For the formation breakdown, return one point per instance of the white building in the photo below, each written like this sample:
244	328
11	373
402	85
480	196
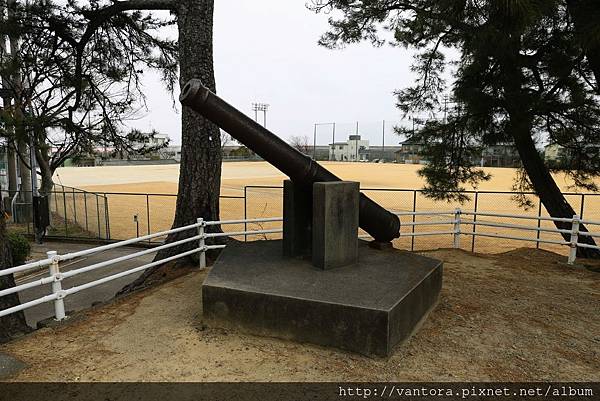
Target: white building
151	140
171	152
349	151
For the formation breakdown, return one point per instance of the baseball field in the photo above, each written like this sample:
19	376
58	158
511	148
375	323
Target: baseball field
124	187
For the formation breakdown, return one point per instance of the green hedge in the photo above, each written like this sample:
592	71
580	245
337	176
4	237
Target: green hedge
19	247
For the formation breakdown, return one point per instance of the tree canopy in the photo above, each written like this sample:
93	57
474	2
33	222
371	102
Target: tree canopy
75	77
527	55
526	69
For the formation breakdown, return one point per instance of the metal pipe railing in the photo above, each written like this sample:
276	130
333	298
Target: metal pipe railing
127	257
28	266
91	251
58	294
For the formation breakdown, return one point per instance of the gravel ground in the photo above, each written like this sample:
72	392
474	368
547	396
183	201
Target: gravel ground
519	316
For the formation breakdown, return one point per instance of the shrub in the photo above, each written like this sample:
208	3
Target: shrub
19	247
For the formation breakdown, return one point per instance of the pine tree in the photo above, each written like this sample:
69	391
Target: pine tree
526	68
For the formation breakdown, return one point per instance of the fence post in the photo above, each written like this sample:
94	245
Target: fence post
148	213
98	215
539	224
474	222
106	217
414	218
574	238
245	213
65	208
85	209
74	207
457	228
202	243
59	304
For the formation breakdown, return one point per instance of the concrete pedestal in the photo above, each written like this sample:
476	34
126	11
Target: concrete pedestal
321	222
335	224
368	307
297	220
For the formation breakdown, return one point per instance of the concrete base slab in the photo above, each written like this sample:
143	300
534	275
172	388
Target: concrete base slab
368	307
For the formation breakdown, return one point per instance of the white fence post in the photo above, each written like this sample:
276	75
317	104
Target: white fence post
457	213
574	239
202	243
59	303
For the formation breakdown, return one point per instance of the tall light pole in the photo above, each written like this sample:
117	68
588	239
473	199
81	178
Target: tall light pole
383	141
260	107
315	137
356	143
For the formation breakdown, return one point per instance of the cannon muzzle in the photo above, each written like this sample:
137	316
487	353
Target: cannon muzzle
374	219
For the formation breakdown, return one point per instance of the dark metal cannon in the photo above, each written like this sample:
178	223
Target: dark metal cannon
382	225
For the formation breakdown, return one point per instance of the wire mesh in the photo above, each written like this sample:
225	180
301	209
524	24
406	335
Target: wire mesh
80	214
263	202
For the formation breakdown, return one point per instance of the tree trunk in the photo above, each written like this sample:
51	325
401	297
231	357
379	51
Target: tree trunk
200	167
13	324
11	167
543	183
7	102
25	174
21	138
46	171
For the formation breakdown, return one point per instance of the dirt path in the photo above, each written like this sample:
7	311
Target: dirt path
519	316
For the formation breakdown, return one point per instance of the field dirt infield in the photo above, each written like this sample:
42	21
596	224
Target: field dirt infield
155	212
520	316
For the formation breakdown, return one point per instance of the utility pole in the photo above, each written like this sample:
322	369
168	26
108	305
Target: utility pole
333	131
383	141
356	143
315	143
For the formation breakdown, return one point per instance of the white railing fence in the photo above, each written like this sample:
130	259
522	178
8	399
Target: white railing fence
55	276
453	218
458	221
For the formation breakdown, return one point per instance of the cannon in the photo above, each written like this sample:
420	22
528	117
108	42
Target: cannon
355	295
382	225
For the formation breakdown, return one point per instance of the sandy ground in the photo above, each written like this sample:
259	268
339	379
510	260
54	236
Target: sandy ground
237	174
519	316
155	213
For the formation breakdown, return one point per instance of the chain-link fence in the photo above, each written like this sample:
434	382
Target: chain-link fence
115	216
74	213
266	201
109	216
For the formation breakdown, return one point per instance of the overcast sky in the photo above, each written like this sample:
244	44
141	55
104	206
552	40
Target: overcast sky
266	51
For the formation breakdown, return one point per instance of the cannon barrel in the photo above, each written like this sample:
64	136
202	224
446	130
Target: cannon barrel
302	170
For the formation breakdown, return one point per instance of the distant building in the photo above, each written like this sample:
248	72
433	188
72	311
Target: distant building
379	154
171	153
355	149
109	155
554	153
558	156
410	152
500	155
151	140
